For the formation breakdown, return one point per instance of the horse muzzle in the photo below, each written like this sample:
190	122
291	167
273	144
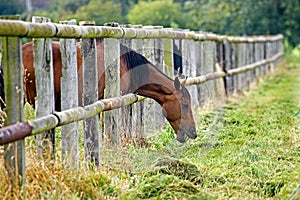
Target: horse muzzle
190	133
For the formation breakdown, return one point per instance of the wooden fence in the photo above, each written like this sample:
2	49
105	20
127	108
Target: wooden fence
226	64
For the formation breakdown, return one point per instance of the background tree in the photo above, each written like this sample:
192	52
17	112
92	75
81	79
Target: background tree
11	7
100	12
164	13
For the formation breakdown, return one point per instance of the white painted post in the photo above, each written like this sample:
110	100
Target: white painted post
90	95
69	99
44	105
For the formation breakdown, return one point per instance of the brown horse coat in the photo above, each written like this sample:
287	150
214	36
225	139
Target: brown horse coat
137	75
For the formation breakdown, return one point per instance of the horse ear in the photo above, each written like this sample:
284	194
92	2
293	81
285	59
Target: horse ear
177	83
183	81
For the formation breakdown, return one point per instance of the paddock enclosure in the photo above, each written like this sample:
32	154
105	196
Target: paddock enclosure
217	67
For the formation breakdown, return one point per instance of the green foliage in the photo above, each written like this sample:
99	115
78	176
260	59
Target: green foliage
100	12
236	17
84	10
11	7
164	13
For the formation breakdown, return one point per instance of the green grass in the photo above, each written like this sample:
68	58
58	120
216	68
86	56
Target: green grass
248	149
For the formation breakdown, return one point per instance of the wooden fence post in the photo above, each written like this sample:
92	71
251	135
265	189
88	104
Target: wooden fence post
240	77
168	67
227	66
219	66
244	75
257	58
189	67
14	153
252	60
69	99
152	112
199	53
44	105
246	62
138	108
208	59
158	60
112	88
126	112
90	95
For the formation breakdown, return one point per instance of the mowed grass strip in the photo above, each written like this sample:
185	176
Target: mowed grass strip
255	152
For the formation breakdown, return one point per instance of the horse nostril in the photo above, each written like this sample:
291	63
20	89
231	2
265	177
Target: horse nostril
193	133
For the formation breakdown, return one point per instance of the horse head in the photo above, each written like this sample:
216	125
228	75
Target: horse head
178	111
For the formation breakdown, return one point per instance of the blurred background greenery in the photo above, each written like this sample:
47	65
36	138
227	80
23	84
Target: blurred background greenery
231	17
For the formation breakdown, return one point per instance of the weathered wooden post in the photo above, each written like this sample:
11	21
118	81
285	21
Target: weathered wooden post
209	61
138	108
219	67
168	67
265	56
90	95
112	88
261	57
152	115
240	63
244	75
256	59
269	55
69	99
227	66
199	51
14	153
126	112
44	105
189	67
246	62
251	61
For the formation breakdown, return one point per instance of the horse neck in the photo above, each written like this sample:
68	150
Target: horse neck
157	86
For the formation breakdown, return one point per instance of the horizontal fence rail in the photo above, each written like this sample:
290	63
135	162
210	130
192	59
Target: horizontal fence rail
226	64
49	30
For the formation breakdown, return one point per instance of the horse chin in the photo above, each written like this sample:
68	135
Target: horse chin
189	133
180	137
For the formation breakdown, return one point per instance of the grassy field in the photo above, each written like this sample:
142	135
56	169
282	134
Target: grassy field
248	149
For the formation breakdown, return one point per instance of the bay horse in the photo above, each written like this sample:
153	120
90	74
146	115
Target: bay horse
137	75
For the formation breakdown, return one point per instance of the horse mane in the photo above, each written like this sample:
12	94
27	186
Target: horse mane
137	65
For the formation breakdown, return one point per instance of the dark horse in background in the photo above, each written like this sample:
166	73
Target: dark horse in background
137	75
